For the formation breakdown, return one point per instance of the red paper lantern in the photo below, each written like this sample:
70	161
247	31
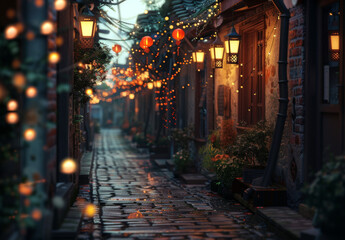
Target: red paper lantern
178	35
145	43
117	48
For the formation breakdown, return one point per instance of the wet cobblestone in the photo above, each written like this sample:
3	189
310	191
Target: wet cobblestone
137	200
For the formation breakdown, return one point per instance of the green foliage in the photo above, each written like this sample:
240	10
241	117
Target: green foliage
208	152
252	145
227	169
181	137
99	57
182	160
327	194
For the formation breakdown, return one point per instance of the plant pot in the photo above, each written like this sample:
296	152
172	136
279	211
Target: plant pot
214	186
225	191
249	174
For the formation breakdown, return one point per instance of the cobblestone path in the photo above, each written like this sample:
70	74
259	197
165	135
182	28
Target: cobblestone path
137	200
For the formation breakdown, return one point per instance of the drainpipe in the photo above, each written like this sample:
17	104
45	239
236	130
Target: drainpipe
283	92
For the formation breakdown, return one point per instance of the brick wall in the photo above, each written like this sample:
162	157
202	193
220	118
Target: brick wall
289	169
296	72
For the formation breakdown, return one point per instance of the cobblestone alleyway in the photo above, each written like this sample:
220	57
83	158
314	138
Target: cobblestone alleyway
140	201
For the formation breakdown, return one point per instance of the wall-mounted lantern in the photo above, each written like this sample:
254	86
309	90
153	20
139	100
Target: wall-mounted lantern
198	58
87	26
334	46
217	53
232	46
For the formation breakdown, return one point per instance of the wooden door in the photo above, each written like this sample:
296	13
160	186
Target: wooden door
251	83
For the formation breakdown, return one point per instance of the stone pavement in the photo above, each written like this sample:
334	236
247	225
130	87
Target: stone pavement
137	200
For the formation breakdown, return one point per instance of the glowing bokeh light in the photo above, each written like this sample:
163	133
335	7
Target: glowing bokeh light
11	32
54	57
31	92
60	5
47	27
12	118
12	105
68	166
29	134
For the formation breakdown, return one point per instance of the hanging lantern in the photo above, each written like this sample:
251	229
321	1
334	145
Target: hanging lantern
217	53
117	48
145	43
232	46
88	27
198	58
178	35
131	96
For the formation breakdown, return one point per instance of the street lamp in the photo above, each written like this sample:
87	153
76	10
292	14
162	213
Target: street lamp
198	58
88	27
232	45
217	53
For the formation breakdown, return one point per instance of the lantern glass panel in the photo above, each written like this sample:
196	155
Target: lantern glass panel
335	42
200	56
86	27
194	56
218	52
234	45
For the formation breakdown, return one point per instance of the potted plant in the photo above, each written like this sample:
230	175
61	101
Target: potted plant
327	194
182	162
252	147
227	169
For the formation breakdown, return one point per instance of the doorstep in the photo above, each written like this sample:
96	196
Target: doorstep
288	223
193	178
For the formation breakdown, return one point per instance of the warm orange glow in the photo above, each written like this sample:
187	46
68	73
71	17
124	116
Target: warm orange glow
12	118
19	80
54	57
90	210
47	27
147	41
131	96
29	134
36	214
25	189
198	56
89	91
68	166
234	46
87	27
117	48
135	215
11	32
12	105
335	43
158	84
178	34
219	51
150	85
60	5
212	53
31	92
